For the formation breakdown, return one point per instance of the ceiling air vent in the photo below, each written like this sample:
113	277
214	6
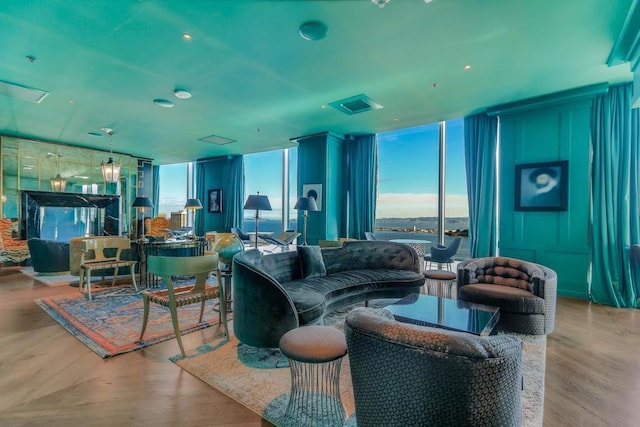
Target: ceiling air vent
355	104
218	140
22	92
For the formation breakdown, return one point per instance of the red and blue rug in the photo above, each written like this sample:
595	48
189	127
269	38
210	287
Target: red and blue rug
110	324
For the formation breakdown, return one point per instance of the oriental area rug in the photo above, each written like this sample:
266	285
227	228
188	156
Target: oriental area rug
110	324
260	379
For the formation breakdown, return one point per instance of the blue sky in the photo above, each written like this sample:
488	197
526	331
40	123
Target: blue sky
407	177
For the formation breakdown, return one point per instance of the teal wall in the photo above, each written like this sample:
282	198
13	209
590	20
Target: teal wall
216	172
320	161
556	129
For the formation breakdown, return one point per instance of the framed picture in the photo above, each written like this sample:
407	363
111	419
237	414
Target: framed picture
315	191
215	201
542	186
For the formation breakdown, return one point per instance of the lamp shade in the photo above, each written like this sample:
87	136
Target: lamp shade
142	202
193	204
306	204
257	202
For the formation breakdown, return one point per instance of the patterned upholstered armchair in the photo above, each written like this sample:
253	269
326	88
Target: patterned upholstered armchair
525	292
11	249
410	375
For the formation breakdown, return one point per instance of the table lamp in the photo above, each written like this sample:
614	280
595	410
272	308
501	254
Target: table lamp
192	205
141	203
305	204
259	203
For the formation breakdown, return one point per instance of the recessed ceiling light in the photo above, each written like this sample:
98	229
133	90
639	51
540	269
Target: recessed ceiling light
467	67
71	101
182	93
186	36
313	30
163	103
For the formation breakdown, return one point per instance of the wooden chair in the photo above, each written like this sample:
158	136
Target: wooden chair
106	253
173	297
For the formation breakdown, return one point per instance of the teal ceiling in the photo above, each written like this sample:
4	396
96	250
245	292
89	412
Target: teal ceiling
256	81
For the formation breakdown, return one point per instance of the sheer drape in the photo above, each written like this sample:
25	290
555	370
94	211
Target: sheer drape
363	158
615	139
480	145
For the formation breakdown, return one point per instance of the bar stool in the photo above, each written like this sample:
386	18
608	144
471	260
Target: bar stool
439	282
315	355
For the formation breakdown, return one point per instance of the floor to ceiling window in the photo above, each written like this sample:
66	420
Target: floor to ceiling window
273	174
408	182
173	188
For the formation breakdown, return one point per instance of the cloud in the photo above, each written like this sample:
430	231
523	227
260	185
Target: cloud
412	205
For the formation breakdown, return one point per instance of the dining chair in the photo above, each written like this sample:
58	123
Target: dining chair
104	254
369	235
179	296
443	254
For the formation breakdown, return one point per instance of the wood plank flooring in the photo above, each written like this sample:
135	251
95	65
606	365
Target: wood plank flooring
47	377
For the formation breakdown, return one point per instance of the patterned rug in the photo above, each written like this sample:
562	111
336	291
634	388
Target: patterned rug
260	380
110	323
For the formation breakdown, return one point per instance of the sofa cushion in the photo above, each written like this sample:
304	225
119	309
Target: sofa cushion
311	295
506	272
311	261
508	299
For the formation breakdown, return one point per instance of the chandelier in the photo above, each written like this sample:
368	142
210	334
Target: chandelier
110	169
58	183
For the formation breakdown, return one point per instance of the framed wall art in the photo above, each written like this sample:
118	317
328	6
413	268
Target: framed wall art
215	200
542	186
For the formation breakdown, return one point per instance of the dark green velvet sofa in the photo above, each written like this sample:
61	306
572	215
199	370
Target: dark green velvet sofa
277	292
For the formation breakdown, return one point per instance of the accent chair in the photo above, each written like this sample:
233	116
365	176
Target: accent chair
525	292
410	375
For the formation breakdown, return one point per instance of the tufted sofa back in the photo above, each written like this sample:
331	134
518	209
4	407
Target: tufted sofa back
366	254
504	271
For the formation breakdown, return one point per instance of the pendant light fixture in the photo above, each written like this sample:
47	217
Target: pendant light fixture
58	183
110	169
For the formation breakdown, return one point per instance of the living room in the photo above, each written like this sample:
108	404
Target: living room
545	115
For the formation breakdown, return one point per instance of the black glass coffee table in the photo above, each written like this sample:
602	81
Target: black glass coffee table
446	313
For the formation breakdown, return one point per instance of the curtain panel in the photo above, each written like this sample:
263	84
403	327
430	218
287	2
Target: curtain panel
480	146
362	190
155	172
615	137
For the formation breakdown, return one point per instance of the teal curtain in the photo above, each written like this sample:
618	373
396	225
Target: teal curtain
233	196
363	158
201	194
615	139
480	145
155	171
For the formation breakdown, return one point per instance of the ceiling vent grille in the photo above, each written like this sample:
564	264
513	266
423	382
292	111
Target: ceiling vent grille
22	92
355	104
218	140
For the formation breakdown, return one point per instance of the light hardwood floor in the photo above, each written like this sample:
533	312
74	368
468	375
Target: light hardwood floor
47	377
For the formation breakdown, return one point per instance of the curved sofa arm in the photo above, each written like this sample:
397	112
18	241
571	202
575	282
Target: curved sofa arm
548	289
262	310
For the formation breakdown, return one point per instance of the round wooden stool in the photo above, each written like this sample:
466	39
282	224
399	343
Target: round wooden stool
315	356
439	282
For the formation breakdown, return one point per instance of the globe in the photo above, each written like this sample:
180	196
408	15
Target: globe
227	246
